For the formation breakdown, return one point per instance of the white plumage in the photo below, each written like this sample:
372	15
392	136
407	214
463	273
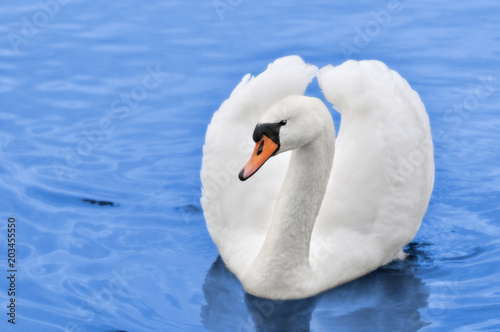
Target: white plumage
372	199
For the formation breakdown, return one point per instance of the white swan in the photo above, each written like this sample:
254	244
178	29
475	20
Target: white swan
292	233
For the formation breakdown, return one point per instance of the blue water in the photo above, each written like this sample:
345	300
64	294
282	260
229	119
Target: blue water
103	110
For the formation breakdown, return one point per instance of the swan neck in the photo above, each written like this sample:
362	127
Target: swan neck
286	247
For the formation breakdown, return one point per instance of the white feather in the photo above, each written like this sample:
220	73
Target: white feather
376	195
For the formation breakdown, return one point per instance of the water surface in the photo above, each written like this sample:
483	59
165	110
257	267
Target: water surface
103	110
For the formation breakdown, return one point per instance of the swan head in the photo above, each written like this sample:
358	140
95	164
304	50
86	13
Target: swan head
289	124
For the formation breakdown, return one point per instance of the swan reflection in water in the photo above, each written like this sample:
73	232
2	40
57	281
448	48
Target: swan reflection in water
388	299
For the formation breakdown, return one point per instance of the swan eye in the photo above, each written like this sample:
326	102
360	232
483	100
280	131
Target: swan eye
283	122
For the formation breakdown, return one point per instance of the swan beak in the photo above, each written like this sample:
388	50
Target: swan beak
264	149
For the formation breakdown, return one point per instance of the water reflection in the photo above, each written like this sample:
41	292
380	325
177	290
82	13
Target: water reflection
290	315
388	299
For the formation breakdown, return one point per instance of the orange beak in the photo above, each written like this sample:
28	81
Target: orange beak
264	149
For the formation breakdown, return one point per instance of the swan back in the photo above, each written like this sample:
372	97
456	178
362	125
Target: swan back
382	175
238	214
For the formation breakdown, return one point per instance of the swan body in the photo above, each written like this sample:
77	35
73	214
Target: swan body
322	210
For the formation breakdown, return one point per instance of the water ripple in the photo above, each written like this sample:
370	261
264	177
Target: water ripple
111	232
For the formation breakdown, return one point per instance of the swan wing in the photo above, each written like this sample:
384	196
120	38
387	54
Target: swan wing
238	214
382	174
